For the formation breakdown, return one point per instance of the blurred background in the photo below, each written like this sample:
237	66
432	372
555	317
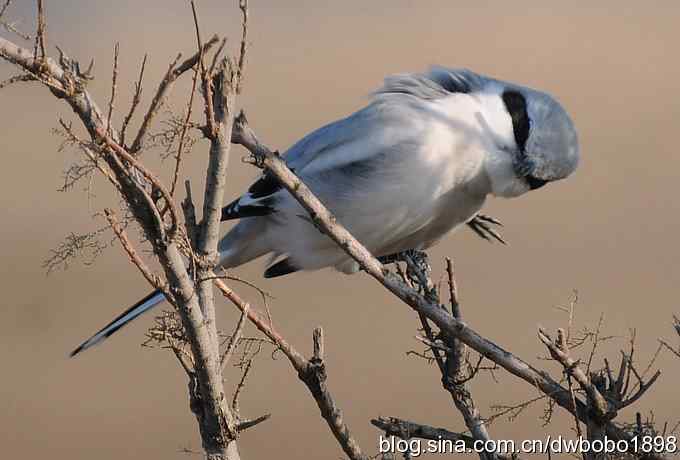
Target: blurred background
608	232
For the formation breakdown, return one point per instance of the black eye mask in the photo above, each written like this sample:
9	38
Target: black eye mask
517	108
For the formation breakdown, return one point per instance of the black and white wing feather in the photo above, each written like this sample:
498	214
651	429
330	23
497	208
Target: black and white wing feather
318	151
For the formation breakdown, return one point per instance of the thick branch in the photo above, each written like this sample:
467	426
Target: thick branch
404	429
64	79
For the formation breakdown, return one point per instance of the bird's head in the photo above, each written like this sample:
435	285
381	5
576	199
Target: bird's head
537	141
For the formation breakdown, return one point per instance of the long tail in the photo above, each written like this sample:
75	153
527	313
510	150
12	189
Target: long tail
240	245
144	305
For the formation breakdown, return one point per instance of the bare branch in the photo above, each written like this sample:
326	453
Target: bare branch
148	175
185	127
9	26
16	79
168	332
234	339
455	375
91	152
559	351
114	83
142	191
403	429
514	410
641	390
136	99
241	385
243	6
189	211
4	8
40	34
153	280
173	73
75	246
218	101
311	372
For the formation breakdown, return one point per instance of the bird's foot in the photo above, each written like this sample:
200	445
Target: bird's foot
482	225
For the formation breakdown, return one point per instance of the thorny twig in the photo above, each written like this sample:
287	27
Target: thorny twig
40	34
173	73
17	79
185	127
136	260
114	86
136	99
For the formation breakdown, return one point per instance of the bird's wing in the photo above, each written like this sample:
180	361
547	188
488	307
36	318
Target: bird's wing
391	118
342	145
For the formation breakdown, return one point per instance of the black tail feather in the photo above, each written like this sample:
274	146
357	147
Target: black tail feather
103	333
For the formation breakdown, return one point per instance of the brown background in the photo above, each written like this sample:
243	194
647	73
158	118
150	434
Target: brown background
610	231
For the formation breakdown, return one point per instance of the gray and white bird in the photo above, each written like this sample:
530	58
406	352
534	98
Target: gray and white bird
399	174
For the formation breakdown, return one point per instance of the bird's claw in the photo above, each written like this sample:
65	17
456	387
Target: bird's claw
482	224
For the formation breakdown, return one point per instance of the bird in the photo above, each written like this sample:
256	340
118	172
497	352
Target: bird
419	160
